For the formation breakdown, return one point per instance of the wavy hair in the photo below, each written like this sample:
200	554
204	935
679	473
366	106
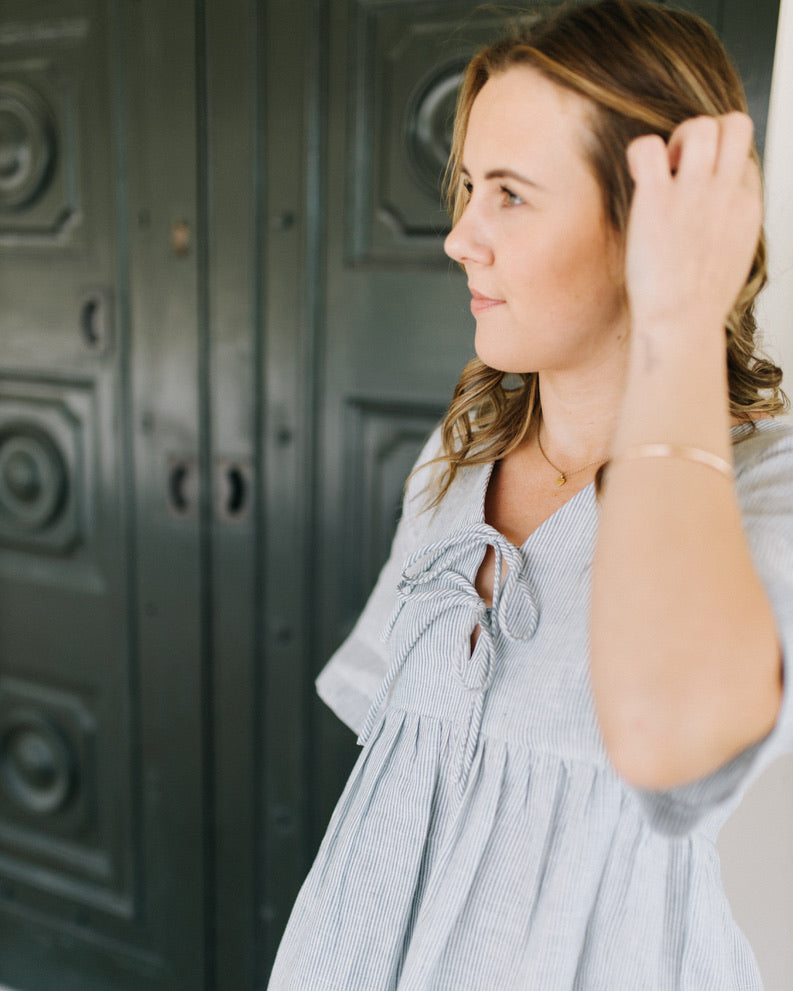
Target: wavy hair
645	69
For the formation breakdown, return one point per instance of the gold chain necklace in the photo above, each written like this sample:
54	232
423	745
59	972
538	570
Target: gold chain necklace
562	476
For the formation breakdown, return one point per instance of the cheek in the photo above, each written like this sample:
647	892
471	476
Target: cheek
595	263
539	268
566	257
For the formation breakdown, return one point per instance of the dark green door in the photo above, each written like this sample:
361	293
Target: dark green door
226	324
102	650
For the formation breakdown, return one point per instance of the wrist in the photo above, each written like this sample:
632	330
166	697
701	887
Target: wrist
678	360
671	338
676	390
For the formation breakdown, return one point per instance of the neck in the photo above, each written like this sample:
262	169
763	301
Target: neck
578	419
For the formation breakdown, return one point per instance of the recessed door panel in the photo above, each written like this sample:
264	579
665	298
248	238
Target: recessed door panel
83	816
69	849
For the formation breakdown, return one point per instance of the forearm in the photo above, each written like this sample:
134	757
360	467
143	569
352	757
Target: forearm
685	661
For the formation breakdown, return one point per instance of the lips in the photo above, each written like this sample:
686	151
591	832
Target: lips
481	303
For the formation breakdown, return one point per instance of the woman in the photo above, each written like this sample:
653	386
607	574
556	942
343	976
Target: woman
574	688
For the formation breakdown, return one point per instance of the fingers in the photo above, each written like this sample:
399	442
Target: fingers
694	147
698	147
736	133
648	160
694	220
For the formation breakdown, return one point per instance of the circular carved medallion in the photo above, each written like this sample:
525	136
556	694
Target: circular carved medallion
37	767
430	123
27	145
33	478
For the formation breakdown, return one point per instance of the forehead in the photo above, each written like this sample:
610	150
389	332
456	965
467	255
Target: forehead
521	113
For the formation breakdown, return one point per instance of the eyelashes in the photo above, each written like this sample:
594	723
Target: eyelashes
508	196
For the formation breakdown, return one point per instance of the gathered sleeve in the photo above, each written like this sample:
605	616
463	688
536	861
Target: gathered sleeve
349	681
764	485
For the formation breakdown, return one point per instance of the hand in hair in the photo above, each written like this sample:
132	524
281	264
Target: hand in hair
685	658
694	222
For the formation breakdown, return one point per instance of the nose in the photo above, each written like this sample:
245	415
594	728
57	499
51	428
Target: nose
467	240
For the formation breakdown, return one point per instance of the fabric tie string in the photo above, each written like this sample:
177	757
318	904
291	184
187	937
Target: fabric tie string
431	576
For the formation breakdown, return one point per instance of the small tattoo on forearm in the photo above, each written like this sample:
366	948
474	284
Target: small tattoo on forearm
648	353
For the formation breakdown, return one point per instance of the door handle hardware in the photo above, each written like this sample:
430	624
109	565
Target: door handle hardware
233	481
96	321
182	487
236	484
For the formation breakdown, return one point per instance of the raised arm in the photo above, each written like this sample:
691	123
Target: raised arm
686	666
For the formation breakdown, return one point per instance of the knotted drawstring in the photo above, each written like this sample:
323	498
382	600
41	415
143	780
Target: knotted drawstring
429	576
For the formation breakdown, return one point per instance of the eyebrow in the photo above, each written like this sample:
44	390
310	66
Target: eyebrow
505	174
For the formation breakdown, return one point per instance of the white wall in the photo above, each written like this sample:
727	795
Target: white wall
757	843
775	306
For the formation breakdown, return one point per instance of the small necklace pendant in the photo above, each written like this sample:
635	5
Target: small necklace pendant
561	479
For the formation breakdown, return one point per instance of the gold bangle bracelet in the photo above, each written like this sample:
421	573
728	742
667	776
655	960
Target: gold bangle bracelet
681	452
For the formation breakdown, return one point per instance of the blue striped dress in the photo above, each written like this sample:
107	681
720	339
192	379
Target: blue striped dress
483	840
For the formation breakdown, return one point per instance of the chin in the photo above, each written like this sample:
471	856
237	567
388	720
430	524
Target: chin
509	363
506	351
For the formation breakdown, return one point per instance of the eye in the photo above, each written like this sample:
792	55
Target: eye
468	187
510	198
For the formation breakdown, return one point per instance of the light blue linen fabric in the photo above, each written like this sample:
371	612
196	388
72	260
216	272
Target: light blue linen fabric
483	840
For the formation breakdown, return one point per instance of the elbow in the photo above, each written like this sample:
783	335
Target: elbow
661	734
650	768
660	748
648	760
654	741
656	745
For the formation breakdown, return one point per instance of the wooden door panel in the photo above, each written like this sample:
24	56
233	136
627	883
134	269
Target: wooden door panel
69	848
96	773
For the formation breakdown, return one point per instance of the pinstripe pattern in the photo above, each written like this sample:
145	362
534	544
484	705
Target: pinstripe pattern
483	840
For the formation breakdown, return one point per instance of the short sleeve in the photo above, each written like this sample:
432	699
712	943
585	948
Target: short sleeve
764	485
349	681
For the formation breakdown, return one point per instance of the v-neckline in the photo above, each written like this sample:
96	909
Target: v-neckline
737	431
549	523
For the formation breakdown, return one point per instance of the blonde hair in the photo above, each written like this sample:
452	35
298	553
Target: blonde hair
645	69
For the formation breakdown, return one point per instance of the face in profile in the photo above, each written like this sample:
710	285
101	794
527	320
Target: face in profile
544	266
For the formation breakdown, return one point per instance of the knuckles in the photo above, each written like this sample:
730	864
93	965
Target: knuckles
704	142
